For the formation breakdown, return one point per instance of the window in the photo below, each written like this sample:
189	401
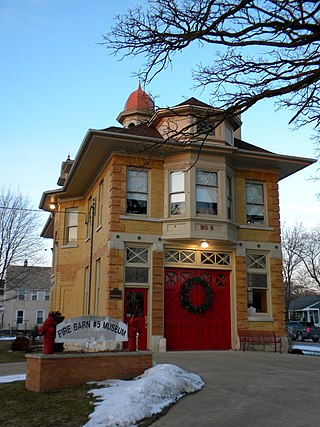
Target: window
46	295
257	282
71	225
100	205
137	191
19	317
1	287
229	198
39	317
34	295
97	302
137	265
90	218
21	295
255	203
206	126
177	194
86	299
206	192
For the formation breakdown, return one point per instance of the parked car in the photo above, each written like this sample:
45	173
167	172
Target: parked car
300	331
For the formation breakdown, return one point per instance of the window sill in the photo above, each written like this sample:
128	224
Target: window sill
140	218
69	245
256	227
260	318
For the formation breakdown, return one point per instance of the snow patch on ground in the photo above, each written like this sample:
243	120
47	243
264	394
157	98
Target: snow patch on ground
124	403
11	378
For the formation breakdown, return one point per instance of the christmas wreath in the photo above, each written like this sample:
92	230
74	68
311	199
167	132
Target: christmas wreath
185	290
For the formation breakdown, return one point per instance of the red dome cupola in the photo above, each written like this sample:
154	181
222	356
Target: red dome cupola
138	108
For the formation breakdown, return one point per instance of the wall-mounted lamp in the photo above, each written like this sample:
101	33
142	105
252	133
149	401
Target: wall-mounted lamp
204	244
52	206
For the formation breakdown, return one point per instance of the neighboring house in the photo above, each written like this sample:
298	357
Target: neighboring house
306	308
25	299
188	241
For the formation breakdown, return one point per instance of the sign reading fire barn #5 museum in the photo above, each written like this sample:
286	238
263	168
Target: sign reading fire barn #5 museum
91	327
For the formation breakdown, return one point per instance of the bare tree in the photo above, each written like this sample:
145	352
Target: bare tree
310	255
292	247
261	49
19	232
300	261
302	284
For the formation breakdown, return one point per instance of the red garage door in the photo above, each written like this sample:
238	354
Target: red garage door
186	330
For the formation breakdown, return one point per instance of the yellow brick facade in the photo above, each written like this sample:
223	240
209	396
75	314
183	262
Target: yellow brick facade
90	274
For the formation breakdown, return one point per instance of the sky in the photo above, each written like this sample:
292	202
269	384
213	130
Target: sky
124	403
57	81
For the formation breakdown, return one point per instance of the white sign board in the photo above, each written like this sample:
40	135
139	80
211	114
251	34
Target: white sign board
96	328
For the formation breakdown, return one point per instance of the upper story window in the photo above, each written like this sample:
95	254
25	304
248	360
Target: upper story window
206	192
255	203
177	193
34	295
137	191
229	198
21	295
100	205
46	295
90	216
206	126
257	282
71	225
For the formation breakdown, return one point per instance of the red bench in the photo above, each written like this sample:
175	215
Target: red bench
250	337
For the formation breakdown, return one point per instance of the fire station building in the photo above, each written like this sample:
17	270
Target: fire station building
171	218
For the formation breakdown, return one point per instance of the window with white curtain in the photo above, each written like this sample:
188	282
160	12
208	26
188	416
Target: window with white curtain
206	192
255	202
71	225
177	193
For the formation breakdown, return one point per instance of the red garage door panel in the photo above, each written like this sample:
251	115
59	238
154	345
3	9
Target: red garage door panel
185	330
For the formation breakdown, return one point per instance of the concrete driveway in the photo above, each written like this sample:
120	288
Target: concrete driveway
245	389
242	389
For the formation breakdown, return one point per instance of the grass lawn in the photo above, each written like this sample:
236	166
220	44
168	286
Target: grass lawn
69	407
7	356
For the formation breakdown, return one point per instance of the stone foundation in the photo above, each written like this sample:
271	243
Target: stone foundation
54	371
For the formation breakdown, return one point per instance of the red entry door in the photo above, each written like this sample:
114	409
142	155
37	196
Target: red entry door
135	304
210	330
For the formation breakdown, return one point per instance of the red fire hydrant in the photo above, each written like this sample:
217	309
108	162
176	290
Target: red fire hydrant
133	330
48	330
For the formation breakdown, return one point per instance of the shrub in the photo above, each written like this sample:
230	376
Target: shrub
20	344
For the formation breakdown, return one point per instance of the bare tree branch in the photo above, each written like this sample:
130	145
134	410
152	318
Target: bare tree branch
263	49
19	231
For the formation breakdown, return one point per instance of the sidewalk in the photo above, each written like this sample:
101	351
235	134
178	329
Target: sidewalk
245	389
12	368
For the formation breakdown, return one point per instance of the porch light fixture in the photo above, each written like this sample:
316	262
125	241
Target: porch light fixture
52	206
204	244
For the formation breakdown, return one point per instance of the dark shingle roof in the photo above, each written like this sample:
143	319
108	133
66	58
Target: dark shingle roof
25	277
303	302
139	130
246	146
194	101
